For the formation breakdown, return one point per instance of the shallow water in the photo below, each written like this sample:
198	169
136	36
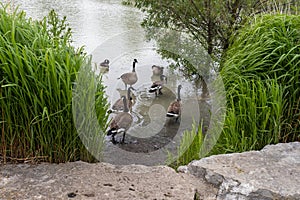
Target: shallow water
109	30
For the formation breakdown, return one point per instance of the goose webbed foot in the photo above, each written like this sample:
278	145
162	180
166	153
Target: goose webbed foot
159	92
177	119
123	142
113	140
123	139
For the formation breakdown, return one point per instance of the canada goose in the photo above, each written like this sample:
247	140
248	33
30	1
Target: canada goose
157	70
174	109
157	85
130	78
118	106
120	123
105	63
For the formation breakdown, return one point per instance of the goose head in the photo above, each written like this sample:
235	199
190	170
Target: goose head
157	70
133	64
105	63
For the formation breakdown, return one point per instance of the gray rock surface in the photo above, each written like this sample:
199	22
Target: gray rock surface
80	180
270	174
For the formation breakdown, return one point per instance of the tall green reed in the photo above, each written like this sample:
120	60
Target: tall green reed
261	77
189	148
90	107
38	69
253	116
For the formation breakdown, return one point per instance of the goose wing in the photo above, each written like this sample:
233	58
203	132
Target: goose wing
129	77
118	105
156	86
123	120
175	108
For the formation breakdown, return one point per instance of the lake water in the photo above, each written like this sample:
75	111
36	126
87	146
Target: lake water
110	30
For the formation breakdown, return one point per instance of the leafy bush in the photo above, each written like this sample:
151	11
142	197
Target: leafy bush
38	69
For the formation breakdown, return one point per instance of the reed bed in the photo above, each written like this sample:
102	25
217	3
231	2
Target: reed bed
261	75
39	67
188	149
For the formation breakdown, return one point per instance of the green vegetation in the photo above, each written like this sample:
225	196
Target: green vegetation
206	22
258	60
38	70
45	115
253	116
261	75
262	78
188	149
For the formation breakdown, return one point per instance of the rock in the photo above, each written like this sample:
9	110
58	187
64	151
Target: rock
182	169
80	180
270	174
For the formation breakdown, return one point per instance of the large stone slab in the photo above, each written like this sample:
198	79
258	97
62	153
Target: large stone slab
270	174
80	180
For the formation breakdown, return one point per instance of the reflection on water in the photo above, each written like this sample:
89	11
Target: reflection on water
92	21
109	30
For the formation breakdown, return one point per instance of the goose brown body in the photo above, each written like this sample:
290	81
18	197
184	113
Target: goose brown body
157	85
120	123
122	120
174	109
130	78
118	106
